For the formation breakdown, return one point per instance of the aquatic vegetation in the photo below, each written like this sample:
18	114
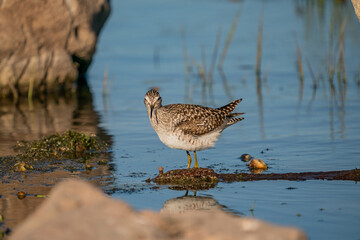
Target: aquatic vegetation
205	178
195	178
344	175
70	145
74	146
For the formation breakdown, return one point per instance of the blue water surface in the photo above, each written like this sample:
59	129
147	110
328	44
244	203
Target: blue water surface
142	45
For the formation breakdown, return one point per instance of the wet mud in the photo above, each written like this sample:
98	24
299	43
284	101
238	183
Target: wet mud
188	179
72	150
28	176
350	175
205	178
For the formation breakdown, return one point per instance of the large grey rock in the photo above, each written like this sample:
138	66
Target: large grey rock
76	210
47	43
356	4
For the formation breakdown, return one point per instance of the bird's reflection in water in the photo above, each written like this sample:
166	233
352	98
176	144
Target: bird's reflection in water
191	203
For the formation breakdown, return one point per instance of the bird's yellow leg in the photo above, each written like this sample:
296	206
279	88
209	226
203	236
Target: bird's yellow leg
196	165
189	159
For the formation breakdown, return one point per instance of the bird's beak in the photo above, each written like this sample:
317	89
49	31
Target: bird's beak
151	110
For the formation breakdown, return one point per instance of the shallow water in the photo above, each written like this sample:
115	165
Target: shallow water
142	46
24	121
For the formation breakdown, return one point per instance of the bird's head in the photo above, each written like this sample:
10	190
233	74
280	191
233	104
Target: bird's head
152	101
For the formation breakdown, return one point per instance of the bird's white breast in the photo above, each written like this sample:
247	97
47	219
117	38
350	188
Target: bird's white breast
188	142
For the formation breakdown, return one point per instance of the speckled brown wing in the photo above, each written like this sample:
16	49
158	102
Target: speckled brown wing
198	120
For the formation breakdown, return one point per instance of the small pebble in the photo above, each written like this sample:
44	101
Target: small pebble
161	170
88	166
257	164
245	157
29	167
21	195
20	167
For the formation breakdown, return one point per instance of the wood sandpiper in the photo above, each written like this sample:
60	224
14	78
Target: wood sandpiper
189	127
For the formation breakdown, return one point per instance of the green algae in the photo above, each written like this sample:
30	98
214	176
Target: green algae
69	149
70	145
205	178
188	179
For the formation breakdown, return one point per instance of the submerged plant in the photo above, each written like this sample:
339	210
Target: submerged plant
69	145
70	149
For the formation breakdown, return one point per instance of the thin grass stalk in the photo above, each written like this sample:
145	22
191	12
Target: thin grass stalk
259	43
203	83
341	72
229	38
105	80
260	105
186	64
203	74
212	65
315	85
312	74
265	77
300	70
342	76
253	206
331	68
225	83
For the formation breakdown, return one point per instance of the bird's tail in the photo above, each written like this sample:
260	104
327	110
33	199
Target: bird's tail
233	121
227	109
231	115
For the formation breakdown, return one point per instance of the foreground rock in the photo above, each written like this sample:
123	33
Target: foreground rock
44	45
356	4
76	210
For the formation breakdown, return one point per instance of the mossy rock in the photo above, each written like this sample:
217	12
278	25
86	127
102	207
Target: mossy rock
188	179
70	150
68	145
